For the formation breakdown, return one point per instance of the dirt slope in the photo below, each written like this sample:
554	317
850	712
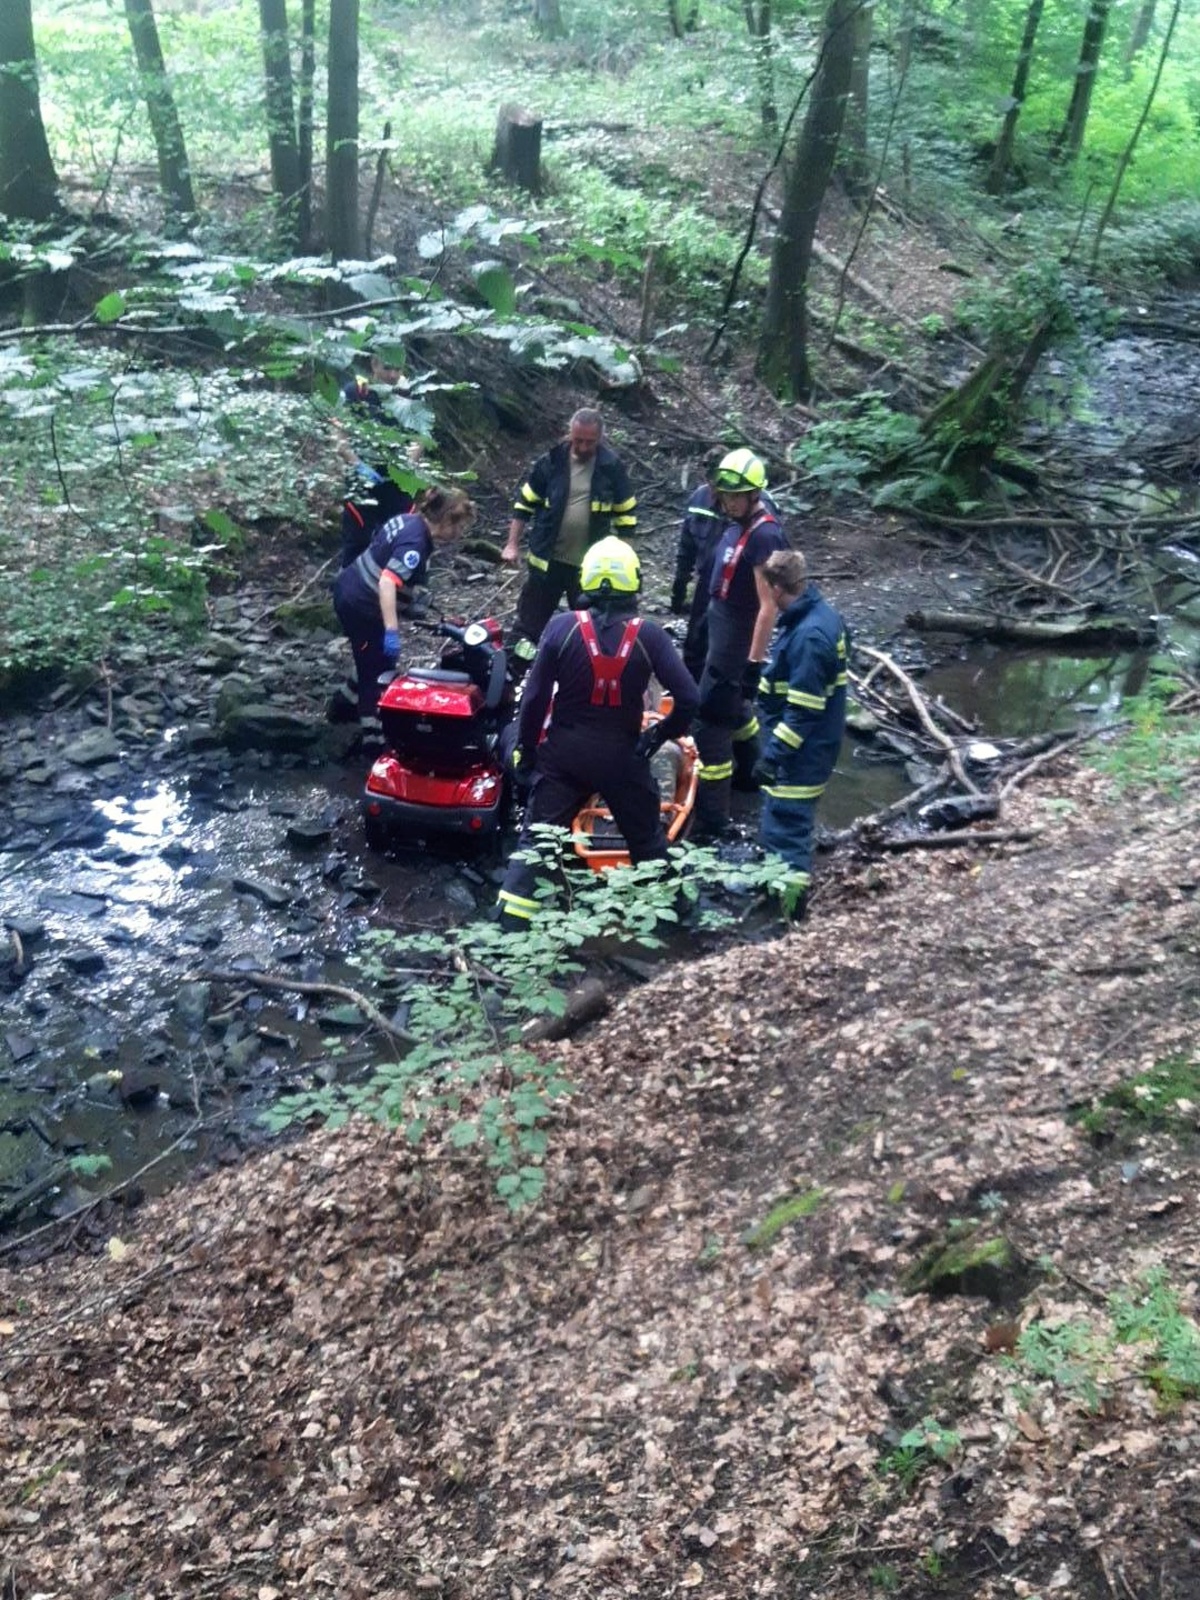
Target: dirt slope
342	1370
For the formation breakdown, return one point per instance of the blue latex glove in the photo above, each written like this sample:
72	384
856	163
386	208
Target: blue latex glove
391	644
367	474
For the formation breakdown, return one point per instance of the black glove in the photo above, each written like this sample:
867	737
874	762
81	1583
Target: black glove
765	771
751	676
649	742
679	600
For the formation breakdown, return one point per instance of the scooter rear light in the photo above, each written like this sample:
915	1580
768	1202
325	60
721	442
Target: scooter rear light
475	824
374	809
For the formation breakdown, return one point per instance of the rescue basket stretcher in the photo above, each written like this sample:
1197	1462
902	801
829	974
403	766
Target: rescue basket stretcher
597	839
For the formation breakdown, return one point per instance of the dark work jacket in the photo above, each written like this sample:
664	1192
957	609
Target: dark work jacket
562	672
699	532
401	549
542	500
802	696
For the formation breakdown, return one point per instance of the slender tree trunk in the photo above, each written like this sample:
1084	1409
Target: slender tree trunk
28	181
304	124
998	172
783	346
1139	35
548	19
281	113
758	22
1127	153
1070	140
174	175
341	131
904	36
854	158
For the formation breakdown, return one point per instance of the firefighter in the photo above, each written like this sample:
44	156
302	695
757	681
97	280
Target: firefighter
741	615
699	534
374	497
802	698
371	591
586	689
575	494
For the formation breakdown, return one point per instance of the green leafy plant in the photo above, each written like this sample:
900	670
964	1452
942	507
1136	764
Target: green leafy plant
1161	747
1070	1355
781	1216
465	1069
1166	1095
85	1166
920	1448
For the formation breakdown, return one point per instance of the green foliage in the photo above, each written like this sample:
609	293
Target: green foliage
467	1071
1077	1356
1161	749
781	1216
919	1449
85	1166
855	440
1166	1096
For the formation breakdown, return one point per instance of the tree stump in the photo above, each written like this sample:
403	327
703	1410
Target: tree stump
517	153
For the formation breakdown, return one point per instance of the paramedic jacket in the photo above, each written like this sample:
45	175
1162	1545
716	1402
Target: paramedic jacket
542	500
562	673
401	548
802	697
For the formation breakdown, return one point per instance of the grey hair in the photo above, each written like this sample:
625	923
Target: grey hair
587	417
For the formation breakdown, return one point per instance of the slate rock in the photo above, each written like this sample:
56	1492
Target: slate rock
192	1003
20	1046
205	935
261	726
139	1086
74	903
271	894
29	929
309	832
83	961
93	749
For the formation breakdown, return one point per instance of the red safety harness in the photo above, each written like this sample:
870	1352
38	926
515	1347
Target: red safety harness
733	553
607	670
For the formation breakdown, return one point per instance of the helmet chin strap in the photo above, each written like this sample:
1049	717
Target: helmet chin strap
609	600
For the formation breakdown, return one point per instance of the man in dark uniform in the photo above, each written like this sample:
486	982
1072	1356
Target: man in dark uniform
699	534
590	677
741	616
575	494
374	497
802	698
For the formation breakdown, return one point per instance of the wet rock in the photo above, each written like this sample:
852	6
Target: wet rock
29	929
100	1086
139	1086
260	725
176	853
73	903
192	1003
93	749
292	951
220	654
359	886
271	894
459	895
83	961
20	1046
309	832
205	935
199	737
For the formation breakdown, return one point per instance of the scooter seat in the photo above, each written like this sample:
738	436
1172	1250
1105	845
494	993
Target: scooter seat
437	675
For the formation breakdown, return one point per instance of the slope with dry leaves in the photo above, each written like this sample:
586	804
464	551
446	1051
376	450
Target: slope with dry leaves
341	1370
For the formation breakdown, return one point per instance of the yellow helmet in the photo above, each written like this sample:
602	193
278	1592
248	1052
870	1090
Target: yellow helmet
741	472
610	566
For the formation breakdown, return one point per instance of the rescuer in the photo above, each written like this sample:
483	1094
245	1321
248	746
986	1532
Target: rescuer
586	690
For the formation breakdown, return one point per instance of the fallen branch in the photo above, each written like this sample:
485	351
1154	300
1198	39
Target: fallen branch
1047	756
337	991
985	625
960	839
926	721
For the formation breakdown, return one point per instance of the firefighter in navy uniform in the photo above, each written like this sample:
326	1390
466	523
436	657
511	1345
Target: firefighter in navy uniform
374	498
575	494
699	534
370	593
590	676
802	698
741	616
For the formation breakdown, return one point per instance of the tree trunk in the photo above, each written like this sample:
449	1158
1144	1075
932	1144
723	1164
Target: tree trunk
174	175
783	343
1139	35
304	121
281	114
1070	140
682	17
854	158
548	19
758	22
997	177
28	181
517	152
341	131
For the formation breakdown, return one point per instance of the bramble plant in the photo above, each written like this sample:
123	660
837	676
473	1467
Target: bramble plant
465	1069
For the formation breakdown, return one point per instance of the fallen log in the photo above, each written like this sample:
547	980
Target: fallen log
584	1004
963	839
1122	633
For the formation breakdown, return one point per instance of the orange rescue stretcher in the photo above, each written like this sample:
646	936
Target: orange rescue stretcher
599	842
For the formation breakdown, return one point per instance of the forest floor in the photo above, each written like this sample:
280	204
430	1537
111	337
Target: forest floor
708	1360
341	1368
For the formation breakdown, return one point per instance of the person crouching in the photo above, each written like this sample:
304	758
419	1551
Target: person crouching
586	688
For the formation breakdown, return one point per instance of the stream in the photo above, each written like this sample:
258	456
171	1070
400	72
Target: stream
121	894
